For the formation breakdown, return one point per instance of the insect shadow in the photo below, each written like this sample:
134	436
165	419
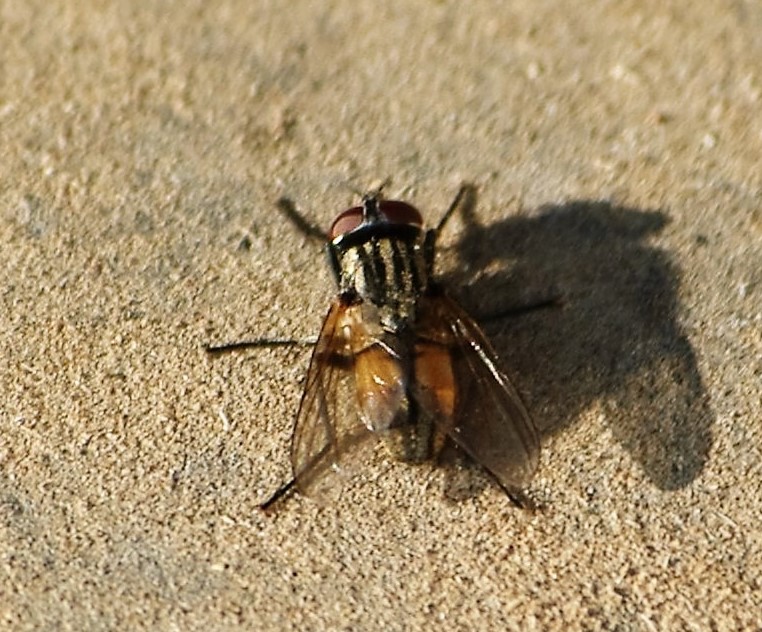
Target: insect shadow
617	342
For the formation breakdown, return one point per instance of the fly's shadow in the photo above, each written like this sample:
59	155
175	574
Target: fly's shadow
617	342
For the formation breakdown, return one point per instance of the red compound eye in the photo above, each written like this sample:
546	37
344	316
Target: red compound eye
397	212
392	211
346	222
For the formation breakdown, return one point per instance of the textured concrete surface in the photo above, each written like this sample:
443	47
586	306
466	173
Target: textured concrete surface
616	150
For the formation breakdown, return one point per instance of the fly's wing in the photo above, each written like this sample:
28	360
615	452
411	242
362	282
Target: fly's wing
489	422
329	437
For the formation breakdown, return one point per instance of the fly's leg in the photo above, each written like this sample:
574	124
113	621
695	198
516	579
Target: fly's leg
465	198
462	484
280	493
263	343
520	499
288	208
259	343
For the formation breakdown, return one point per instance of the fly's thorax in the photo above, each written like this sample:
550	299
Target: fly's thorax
388	271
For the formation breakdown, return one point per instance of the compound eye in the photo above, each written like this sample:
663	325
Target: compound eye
397	212
390	212
346	222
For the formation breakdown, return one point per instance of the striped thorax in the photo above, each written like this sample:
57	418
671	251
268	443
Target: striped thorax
378	255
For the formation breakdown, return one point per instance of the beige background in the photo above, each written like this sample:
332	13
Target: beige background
616	149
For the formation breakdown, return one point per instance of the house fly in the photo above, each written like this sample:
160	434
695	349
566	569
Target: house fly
398	360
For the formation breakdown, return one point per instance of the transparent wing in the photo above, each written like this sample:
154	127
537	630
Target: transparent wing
489	422
329	437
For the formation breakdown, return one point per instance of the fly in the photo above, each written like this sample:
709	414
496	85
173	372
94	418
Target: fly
398	360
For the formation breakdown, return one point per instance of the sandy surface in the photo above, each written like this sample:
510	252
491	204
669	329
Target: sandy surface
616	149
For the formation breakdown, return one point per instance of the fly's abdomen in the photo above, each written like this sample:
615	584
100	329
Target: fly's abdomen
406	394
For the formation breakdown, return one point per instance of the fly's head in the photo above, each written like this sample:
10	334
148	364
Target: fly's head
378	254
